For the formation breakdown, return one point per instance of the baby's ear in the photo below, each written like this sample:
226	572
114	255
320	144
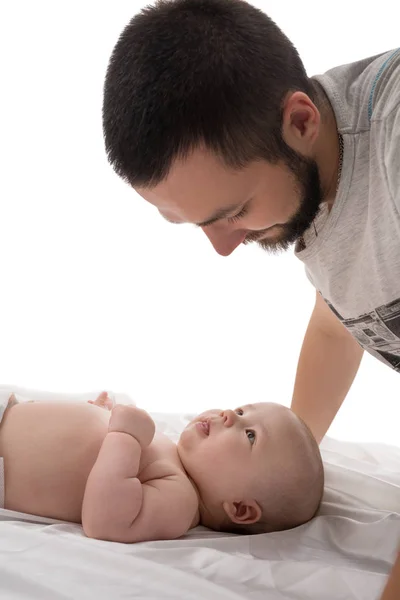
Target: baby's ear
244	512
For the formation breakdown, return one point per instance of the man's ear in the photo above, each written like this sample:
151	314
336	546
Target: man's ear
301	121
244	512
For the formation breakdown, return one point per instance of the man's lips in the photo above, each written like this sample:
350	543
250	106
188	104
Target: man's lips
203	427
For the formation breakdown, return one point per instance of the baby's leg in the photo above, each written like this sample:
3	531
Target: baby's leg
6	402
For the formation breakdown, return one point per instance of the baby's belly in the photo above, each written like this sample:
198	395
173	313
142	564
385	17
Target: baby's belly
49	450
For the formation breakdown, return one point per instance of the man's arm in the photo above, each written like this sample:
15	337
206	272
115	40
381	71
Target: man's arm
329	360
392	589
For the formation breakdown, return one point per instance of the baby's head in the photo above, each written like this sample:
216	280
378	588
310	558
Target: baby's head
257	469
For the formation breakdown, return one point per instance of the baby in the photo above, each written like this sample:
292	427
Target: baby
250	470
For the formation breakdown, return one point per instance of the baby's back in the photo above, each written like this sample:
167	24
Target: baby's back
49	450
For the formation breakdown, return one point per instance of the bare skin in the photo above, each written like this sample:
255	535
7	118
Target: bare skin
104	466
259	201
49	450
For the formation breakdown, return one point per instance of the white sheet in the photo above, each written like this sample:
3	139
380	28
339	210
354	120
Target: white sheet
343	554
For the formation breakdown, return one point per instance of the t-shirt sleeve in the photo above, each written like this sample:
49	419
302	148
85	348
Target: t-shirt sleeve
392	154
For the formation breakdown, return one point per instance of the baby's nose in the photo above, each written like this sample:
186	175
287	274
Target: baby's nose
229	418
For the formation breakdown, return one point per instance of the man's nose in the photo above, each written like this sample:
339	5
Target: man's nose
223	240
229	418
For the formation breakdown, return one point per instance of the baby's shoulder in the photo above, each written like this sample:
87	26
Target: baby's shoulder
176	498
181	502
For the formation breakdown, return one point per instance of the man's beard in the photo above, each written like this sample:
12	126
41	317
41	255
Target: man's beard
308	185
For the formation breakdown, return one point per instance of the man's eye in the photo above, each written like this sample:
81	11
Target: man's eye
239	412
251	435
238	216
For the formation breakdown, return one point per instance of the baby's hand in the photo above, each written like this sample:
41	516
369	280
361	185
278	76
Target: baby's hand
133	421
104	401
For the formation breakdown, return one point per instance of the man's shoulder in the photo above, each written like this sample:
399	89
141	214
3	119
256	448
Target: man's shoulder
363	91
385	91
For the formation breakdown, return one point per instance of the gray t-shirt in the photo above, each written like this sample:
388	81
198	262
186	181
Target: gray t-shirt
354	260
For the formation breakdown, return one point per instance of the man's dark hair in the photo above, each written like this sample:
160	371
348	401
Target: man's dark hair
190	73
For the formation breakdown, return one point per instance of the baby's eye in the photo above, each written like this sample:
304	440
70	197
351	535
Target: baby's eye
251	435
239	412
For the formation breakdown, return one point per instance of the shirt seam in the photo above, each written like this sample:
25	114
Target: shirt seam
381	71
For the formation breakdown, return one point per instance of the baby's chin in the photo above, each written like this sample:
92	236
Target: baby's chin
187	428
188	437
181	440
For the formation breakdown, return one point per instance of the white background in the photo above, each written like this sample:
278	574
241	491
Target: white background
97	291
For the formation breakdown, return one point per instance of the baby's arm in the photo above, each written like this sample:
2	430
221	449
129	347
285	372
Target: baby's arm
104	400
117	507
113	493
169	508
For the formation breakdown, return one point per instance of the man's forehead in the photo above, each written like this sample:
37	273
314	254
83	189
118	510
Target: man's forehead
196	189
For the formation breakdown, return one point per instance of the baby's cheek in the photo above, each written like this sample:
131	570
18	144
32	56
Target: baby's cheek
187	439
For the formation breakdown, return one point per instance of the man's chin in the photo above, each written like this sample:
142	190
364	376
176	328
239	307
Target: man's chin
276	245
282	243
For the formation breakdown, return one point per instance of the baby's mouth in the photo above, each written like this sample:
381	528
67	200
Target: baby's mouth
204	426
